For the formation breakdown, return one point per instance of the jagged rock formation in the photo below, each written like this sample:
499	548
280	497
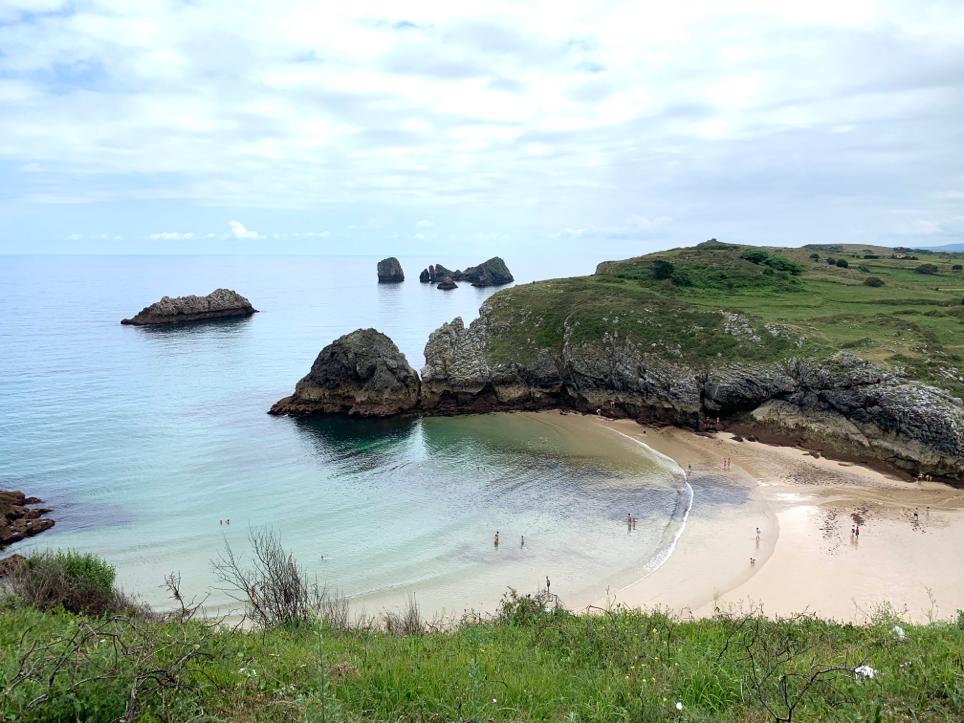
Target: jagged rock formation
493	272
390	271
19	519
361	374
435	273
219	304
446	284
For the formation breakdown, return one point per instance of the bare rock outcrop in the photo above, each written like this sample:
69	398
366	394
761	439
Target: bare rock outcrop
19	519
360	374
493	272
219	304
447	284
390	271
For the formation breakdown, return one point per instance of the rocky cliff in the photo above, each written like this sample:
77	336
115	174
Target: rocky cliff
390	271
219	304
841	404
360	374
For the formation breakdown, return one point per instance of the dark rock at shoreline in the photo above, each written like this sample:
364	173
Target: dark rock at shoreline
219	304
360	374
390	271
447	284
9	565
435	273
18	520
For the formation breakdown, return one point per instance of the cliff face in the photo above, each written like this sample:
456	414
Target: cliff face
841	403
219	304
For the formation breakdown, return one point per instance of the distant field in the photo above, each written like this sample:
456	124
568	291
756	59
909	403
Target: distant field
790	302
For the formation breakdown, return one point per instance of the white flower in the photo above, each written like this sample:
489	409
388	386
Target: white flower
250	672
679	705
864	671
898	632
494	700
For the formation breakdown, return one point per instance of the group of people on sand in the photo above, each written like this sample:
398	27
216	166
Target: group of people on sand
924	478
497	540
225	522
726	463
630	521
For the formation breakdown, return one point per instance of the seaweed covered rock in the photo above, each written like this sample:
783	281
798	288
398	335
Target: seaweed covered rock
360	374
219	304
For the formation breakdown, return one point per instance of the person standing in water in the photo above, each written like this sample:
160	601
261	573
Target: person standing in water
548	584
495	540
523	542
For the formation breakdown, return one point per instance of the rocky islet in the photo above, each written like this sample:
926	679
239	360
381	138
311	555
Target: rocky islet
219	304
493	272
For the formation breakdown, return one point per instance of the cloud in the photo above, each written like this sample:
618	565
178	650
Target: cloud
781	121
171	236
424	223
75	237
238	230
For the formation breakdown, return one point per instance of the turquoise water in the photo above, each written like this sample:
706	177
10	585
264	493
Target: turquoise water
142	439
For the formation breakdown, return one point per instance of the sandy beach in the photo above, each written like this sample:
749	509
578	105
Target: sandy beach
806	557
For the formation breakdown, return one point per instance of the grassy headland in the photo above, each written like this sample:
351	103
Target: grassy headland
781	303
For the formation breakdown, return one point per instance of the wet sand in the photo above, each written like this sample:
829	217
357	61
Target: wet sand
806	557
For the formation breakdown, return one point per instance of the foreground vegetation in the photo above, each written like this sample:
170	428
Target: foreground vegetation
896	307
531	660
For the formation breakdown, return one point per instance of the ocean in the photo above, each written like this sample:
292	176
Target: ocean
144	439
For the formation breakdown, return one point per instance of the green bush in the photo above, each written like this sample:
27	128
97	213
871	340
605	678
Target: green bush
77	582
927	269
863	268
814	257
873	281
781	264
755	256
662	269
831	261
871	256
957	267
842	263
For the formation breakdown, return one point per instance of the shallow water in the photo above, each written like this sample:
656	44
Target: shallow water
142	439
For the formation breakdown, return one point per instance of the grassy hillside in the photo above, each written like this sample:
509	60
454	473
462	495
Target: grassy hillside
782	302
527	664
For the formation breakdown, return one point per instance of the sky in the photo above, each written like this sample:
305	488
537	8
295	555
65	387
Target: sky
290	126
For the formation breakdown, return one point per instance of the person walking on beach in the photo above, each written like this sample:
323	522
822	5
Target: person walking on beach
629	520
523	542
495	540
548	584
634	522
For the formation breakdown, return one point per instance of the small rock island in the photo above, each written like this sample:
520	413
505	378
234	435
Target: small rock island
219	304
390	271
360	374
493	272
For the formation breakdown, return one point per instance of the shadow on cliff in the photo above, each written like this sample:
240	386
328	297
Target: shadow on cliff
358	444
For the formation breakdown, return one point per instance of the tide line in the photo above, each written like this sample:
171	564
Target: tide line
659	560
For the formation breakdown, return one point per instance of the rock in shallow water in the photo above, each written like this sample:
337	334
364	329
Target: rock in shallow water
390	271
219	304
447	284
360	374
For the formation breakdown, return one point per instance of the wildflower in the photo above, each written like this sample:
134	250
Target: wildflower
679	705
864	671
898	632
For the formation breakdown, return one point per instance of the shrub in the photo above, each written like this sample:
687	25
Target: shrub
873	281
871	256
516	609
863	268
814	257
755	256
956	267
927	269
831	261
842	263
781	264
662	269
77	582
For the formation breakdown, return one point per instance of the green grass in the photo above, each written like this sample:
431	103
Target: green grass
622	666
668	304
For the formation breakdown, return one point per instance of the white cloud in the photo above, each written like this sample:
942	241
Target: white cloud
534	115
424	223
75	237
171	236
239	231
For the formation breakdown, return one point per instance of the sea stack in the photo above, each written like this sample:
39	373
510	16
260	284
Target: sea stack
493	272
447	284
360	374
219	304
390	271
